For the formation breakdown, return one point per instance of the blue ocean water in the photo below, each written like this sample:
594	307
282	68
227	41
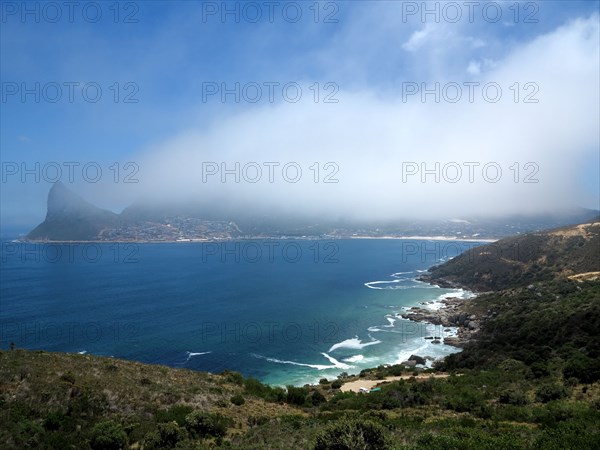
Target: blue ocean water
283	311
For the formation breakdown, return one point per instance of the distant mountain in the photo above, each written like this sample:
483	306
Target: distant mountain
70	218
520	260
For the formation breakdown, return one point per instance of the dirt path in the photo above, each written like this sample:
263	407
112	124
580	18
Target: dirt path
354	386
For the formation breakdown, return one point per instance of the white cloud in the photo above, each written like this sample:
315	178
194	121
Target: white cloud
474	68
370	138
417	39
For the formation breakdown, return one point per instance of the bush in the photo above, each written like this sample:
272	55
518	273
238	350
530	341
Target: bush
317	398
108	435
256	388
54	421
347	434
177	413
166	435
204	424
582	367
550	391
233	377
336	384
238	400
513	396
68	377
296	395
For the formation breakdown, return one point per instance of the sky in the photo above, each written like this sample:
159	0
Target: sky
349	109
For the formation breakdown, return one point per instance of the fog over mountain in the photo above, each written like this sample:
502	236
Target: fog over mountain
520	157
413	120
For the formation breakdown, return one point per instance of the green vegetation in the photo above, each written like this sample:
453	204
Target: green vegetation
531	380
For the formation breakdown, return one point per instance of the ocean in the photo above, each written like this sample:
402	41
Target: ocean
283	311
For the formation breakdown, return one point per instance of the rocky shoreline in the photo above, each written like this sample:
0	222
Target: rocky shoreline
451	314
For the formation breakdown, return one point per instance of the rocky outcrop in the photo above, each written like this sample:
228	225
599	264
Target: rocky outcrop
70	218
452	314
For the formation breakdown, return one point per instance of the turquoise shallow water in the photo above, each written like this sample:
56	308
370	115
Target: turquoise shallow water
286	312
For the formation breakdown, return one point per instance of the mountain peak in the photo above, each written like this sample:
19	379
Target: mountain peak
70	218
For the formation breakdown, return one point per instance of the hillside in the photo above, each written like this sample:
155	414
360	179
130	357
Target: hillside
70	218
529	378
521	260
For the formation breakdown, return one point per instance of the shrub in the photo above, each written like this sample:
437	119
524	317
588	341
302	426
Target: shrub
177	413
336	384
238	400
108	435
582	367
323	381
233	377
317	398
296	395
68	377
346	434
550	391
254	387
513	396
205	424
54	421
166	435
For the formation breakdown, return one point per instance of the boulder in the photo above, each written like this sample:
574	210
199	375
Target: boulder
473	325
418	359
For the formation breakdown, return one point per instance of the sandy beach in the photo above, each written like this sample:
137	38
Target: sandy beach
355	386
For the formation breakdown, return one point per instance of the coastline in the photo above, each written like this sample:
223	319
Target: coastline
450	312
254	238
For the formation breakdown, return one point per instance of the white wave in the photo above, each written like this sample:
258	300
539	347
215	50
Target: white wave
371	284
192	354
354	359
398	274
403	356
391	321
335	363
82	352
355	343
373	329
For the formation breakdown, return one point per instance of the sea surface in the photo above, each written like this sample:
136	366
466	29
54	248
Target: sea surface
283	311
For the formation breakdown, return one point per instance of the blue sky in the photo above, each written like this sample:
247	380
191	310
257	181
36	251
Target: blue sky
371	50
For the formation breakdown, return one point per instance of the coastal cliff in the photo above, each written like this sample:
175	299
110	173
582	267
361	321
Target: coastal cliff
514	267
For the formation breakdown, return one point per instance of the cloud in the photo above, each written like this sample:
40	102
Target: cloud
372	138
418	39
474	68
